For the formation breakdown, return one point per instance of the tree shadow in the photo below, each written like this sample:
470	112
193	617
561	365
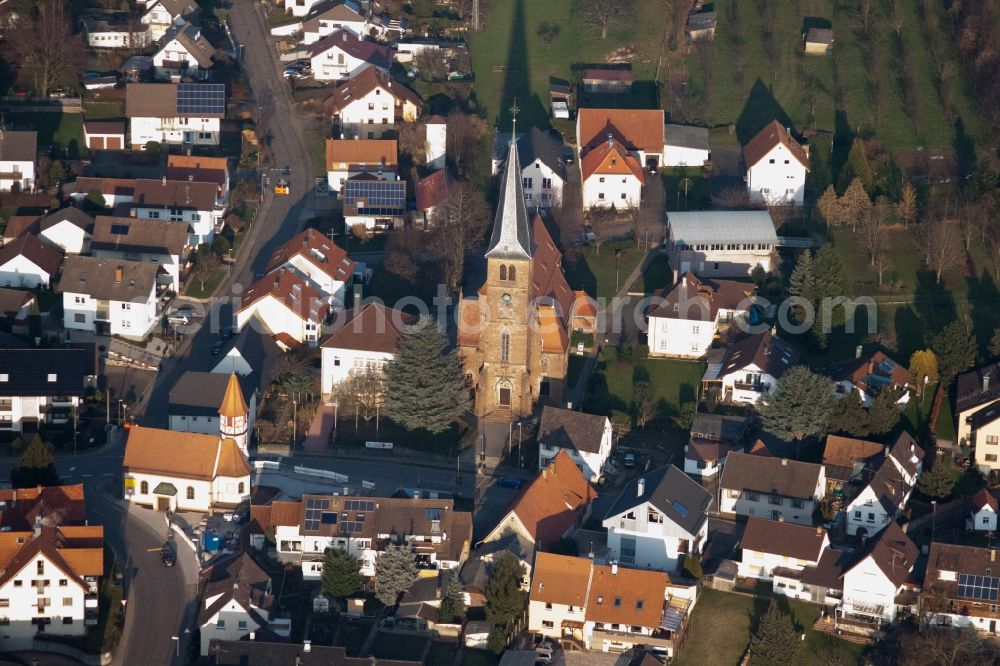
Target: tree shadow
810	22
843	137
761	108
983	299
906	321
439	104
934	304
965	154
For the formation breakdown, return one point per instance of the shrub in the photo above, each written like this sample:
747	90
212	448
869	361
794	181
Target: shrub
153	147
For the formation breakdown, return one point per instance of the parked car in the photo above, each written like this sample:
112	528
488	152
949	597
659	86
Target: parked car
630	460
510	482
168	556
228	332
178	319
217	347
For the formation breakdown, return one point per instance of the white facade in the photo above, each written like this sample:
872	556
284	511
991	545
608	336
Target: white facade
202	221
546	618
17	172
127	319
67	236
335	178
210	424
543	187
233	622
605	191
658	542
333	289
757	564
867	587
41	409
371	116
170	263
684	338
682	156
114	37
372	222
866	512
749	385
335	64
175	131
703	468
337	364
313	31
985	519
774	507
157	19
591	463
21	272
192	494
273	316
777	178
173	58
299	7
437	140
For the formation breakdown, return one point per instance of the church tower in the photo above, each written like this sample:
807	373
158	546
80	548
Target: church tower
234	415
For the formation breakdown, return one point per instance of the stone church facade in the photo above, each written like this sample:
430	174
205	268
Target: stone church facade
513	336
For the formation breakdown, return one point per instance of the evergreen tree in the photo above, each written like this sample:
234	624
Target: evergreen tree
425	385
395	573
776	642
884	413
801	406
955	349
497	641
452	601
36	466
858	167
801	284
505	601
936	482
852	416
994	348
829	276
340	577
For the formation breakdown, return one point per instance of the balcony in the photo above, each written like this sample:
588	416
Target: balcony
627	523
656	639
755	388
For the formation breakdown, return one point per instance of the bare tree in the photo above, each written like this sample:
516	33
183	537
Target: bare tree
871	233
401	253
946	646
464	134
600	221
906	209
734	197
855	203
602	14
644	403
44	48
973	218
940	244
412	139
830	207
459	225
633	215
362	392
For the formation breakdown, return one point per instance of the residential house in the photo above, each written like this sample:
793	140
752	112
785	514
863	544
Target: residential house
431	192
977	407
342	55
721	243
19	225
135	67
113	30
543	168
875	585
640	131
237	602
436	140
685	146
557	601
845	458
371	105
386	28
776	166
27	262
48	550
612	177
366	341
700	27
879	502
550	507
608	80
196	168
259	652
67	229
199	402
772	547
114	191
818	41
768	487
960	588
908	457
285	306
437	534
41	387
15	306
686	318
329	16
346	158
166	243
184	53
658	519
319	261
109	297
183	471
160	15
713	437
373	202
587	438
751	368
182	114
984	511
17	161
188	201
868	375
300	7
104	134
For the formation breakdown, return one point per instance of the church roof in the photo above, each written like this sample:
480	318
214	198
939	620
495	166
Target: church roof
511	238
233	404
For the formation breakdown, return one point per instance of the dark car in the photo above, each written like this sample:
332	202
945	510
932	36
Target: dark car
630	460
168	556
228	332
217	347
510	482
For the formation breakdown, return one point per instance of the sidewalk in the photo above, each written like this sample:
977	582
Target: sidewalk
318	437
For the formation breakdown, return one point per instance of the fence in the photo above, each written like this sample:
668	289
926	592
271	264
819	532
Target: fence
322	473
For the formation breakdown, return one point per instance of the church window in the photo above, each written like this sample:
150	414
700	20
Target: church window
503	272
512	273
240	490
505	346
144	488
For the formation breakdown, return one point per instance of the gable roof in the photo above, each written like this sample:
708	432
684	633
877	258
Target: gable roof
779	538
686	136
560	579
160	100
893	553
59	371
182	454
889	487
100	278
376	328
119	187
768	352
641	129
104	127
52	505
554	499
608	74
547	147
70	214
840	454
433	190
204	393
700	299
774	134
355	46
616	594
177	7
77	551
20	225
197	168
12	300
132	234
548	281
907	453
28	246
977	387
984	498
719	427
873	372
345	154
291	291
194	42
18	146
317	250
819	36
968	560
610	157
236	578
163	193
364	82
511	235
568	429
331	10
672	492
705	227
769	475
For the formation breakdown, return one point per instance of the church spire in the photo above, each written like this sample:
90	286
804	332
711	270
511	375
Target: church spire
233	405
511	237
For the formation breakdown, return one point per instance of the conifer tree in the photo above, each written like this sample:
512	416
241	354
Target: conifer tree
452	601
801	406
776	642
340	577
395	573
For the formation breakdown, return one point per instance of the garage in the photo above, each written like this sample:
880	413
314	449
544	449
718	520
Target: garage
104	135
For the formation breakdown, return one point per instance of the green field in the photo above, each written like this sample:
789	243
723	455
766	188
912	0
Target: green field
674	383
63	130
602	273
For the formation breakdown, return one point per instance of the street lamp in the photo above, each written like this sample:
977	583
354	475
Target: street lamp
933	519
177	646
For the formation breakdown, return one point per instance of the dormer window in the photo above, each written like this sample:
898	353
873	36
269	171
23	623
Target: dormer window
53	377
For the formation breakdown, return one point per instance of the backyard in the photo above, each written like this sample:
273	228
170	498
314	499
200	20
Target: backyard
62	130
602	272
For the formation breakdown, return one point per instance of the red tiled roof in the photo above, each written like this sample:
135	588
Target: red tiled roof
28	246
769	137
355	46
377	328
318	250
638	128
289	289
363	83
433	189
19	225
610	158
554	500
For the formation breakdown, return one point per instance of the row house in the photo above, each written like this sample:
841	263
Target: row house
17	160
284	305
189	201
113	191
43	386
200	169
319	261
371	105
68	229
713	437
776	166
181	114
769	487
109	297
961	587
750	368
587	438
364	341
164	243
28	263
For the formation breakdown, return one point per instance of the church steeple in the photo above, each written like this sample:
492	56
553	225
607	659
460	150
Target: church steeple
511	237
234	415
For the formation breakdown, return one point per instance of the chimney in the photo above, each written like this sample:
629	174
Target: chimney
344	36
119	272
684	279
857	351
986	382
38	524
190	177
307	646
545	473
641	487
253	635
614	568
871	366
774	330
819	530
610	139
784	462
993	555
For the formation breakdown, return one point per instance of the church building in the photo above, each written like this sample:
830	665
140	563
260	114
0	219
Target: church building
513	335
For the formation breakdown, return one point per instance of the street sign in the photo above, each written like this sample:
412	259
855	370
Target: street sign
129	482
378	445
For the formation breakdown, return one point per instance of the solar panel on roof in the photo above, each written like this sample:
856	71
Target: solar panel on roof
980	588
680	508
196	98
314	512
376	197
119	229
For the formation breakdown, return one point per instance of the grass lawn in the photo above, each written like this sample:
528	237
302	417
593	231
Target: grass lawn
479	658
674	383
352	635
678	179
722	623
97	110
442	654
398	646
602	273
317	149
194	288
64	130
575	367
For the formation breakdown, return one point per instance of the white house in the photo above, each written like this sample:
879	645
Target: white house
873	583
366	341
180	471
868	375
685	146
713	437
237	602
371	104
750	368
587	438
960	588
135	239
329	16
113	190
160	15
542	156
374	202
283	305
183	52
17	160
346	158
67	229
658	519
343	54
611	177
436	135
109	297
770	544
43	386
640	131
29	263
113	30
721	243
319	261
188	201
774	488
888	491
201	169
557	601
776	166
984	511
183	114
684	320
202	402
300	7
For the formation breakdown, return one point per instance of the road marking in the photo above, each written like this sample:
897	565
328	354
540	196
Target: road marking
153	550
86	475
72	469
108	474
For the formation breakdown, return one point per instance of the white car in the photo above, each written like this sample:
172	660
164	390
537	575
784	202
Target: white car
178	319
